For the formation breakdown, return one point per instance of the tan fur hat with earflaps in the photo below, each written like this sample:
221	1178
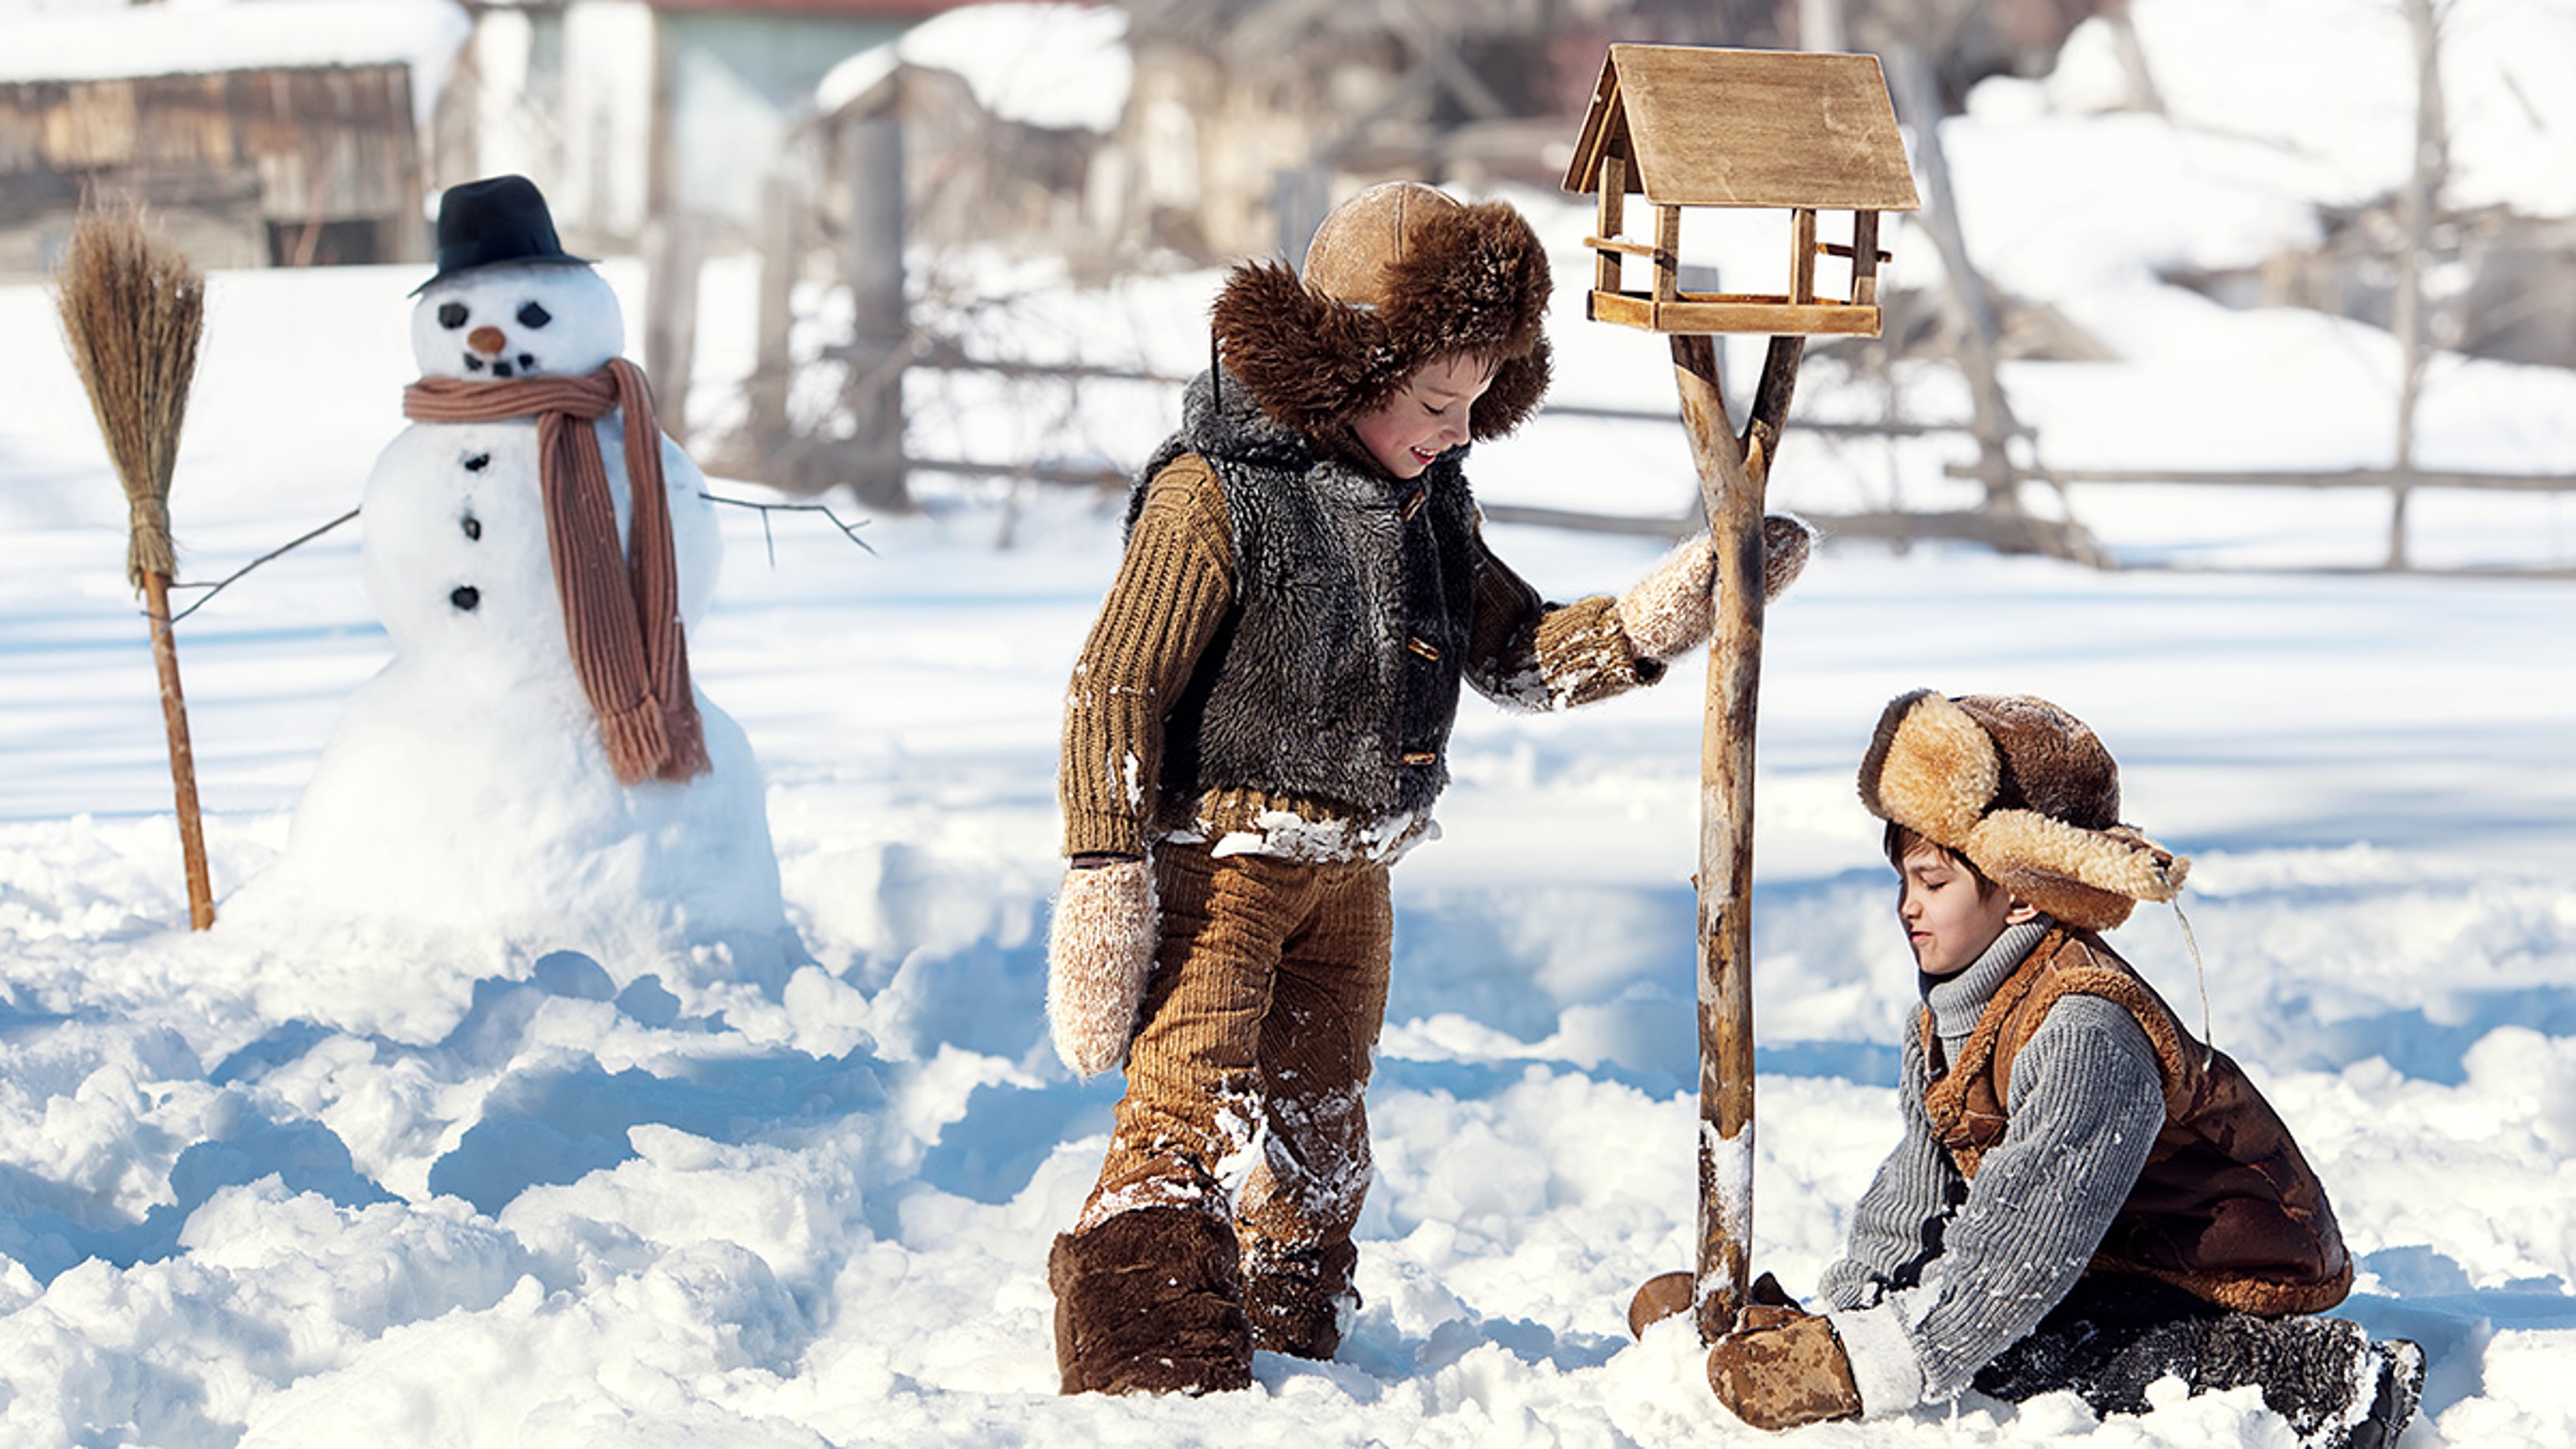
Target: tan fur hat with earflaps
2026	793
1396	277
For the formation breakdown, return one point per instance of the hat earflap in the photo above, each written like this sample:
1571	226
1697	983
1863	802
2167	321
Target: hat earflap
2088	879
1310	361
1930	768
1518	385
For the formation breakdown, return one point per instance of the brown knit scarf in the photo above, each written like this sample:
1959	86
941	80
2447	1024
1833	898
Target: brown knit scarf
623	624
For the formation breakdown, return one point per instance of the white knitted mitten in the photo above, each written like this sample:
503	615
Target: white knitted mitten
1786	541
1667	611
1100	949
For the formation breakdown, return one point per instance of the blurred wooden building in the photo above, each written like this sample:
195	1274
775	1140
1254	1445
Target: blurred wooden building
274	135
244	168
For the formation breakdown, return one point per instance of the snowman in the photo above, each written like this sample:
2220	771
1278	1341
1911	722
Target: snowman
534	764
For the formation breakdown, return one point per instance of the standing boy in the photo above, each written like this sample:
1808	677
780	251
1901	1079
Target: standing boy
2085	1197
1257	729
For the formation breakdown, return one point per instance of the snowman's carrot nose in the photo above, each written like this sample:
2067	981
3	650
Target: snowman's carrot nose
486	339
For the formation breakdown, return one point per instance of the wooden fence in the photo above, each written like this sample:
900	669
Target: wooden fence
2400	484
2001	524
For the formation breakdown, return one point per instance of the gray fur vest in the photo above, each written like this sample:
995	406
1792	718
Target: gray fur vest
1335	676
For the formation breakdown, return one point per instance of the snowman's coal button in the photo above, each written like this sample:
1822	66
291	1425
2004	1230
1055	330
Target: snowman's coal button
478	462
473	526
466	597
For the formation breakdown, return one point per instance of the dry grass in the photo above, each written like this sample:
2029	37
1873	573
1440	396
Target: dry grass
133	310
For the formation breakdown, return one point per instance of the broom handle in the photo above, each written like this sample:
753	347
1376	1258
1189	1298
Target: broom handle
183	761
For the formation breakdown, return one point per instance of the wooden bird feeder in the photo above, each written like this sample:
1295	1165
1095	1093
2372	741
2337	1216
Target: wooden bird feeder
1686	126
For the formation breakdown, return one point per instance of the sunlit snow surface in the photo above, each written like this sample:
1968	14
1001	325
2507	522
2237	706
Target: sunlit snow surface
281	1184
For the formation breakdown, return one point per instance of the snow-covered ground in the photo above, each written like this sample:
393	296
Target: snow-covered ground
297	1184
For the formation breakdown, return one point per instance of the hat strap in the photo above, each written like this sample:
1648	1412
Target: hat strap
2200	973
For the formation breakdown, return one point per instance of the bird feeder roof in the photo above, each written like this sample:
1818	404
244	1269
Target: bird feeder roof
1768	128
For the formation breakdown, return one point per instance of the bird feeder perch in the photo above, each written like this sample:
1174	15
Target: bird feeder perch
1687	126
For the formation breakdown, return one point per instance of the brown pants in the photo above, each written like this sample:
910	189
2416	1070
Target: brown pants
1259	1021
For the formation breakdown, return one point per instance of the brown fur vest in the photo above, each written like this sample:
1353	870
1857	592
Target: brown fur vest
2226	1208
1336	675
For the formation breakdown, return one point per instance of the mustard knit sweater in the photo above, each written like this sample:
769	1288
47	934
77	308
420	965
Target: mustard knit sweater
1168	604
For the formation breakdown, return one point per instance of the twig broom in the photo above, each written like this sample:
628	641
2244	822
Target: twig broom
133	310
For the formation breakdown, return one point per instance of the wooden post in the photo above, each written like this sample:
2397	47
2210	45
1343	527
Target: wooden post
1668	259
1820	25
1732	128
1732	472
675	251
1918	99
2414	211
1608	219
1802	255
880	329
1864	249
183	761
783	204
1761	440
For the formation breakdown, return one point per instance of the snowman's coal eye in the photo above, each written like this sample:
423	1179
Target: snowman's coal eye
533	315
452	315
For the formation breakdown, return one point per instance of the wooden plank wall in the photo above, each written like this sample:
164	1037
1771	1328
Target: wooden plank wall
292	148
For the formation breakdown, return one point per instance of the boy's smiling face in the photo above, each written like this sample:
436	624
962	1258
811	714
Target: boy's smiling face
1948	921
1426	417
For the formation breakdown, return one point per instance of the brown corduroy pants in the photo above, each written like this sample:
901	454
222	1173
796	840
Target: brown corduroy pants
1264	1006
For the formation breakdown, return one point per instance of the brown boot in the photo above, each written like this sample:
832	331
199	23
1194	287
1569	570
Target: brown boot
1296	1300
1150	1301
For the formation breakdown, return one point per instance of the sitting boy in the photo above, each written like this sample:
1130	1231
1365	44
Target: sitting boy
2085	1197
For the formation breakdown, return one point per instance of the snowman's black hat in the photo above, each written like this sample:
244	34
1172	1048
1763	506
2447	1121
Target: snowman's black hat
497	219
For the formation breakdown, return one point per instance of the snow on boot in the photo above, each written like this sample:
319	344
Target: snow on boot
1150	1301
1298	1300
2392	1405
2108	1340
2337	1388
2115	1335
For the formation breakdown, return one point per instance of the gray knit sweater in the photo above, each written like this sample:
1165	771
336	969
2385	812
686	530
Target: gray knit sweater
1940	1273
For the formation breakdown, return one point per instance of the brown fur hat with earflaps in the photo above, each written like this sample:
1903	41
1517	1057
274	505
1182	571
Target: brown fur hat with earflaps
2026	793
1396	277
